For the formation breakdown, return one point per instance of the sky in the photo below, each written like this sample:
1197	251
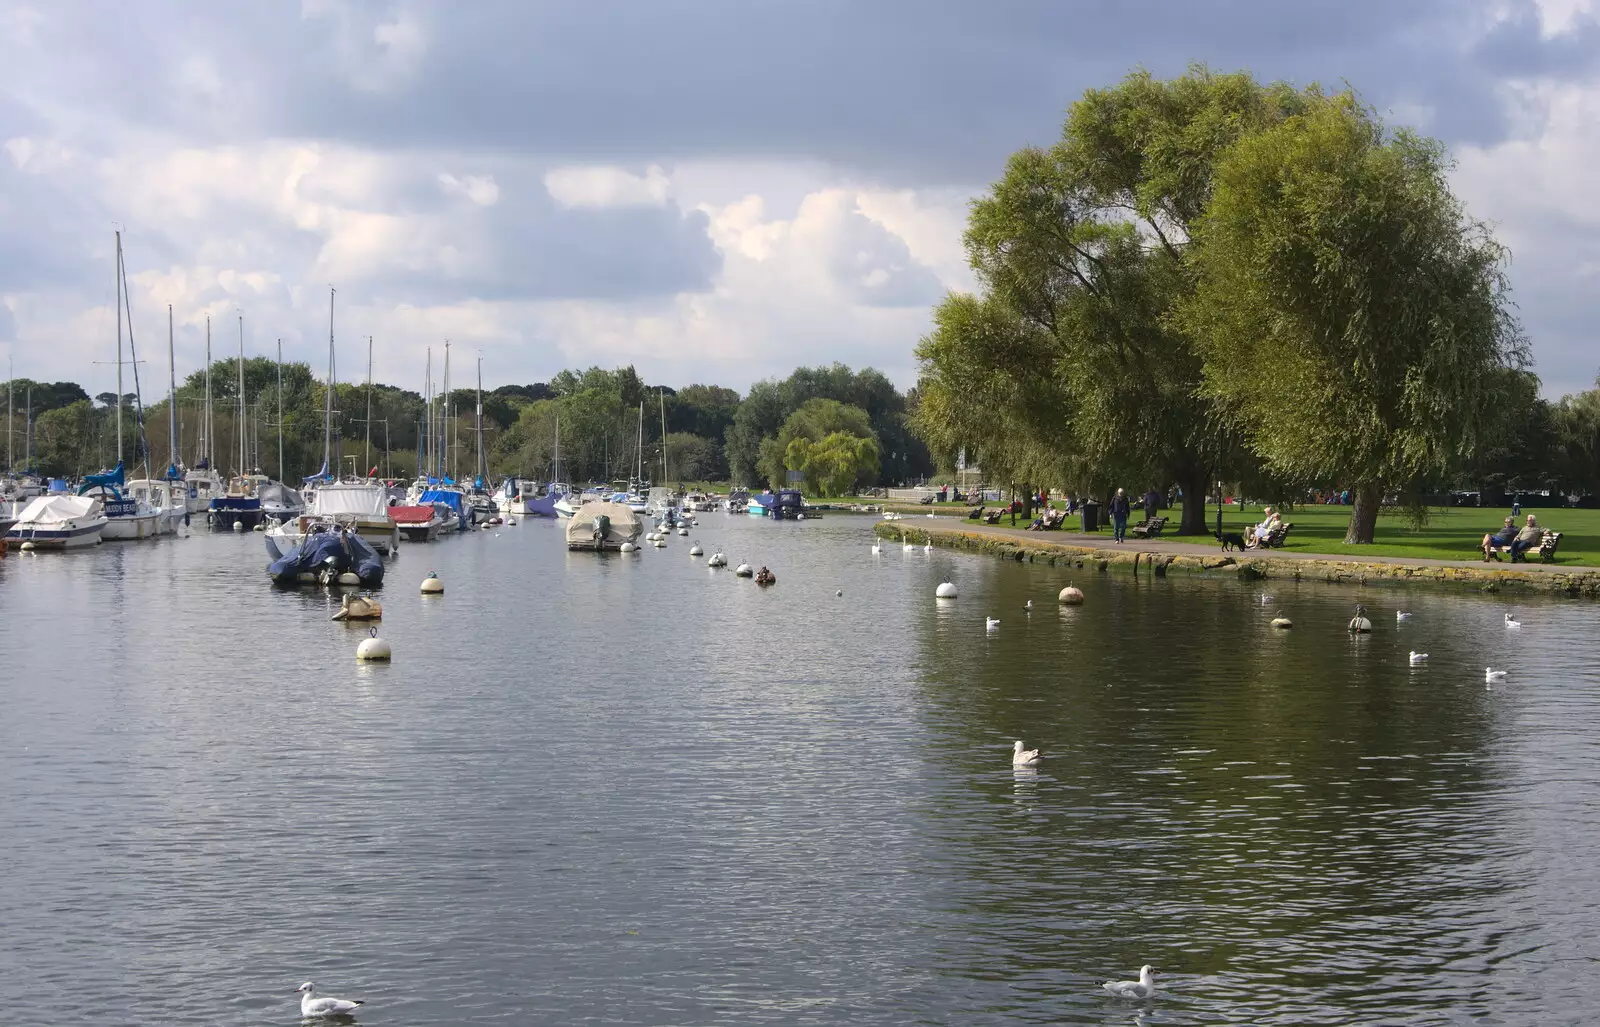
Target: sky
713	191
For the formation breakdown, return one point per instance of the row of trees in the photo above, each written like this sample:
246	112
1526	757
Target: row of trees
1209	277
834	428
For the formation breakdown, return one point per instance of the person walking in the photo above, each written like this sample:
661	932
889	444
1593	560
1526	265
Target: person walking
1152	500
1120	508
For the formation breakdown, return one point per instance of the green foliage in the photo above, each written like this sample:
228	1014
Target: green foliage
1352	318
64	439
835	464
812	421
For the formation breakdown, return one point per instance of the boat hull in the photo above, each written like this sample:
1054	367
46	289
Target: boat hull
230	510
75	537
132	527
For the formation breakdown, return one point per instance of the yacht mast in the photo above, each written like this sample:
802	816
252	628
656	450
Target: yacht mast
367	456
483	467
663	394
638	474
11	402
327	400
444	420
241	431
280	410
423	442
119	347
172	403
205	420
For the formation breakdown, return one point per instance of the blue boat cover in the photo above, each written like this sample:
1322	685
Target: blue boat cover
321	475
173	474
445	496
113	477
338	551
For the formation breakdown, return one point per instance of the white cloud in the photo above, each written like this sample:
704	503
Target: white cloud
607	187
480	189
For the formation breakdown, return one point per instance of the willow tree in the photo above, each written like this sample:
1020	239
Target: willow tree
1082	253
1352	318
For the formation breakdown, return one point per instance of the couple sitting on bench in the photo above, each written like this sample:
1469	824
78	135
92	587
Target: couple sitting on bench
1509	538
1050	520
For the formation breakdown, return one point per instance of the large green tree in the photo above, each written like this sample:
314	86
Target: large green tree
1352	317
1082	251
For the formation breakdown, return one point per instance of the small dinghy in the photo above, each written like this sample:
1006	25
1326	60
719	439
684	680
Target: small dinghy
323	558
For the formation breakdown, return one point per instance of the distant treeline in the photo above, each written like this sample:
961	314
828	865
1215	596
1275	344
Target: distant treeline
835	428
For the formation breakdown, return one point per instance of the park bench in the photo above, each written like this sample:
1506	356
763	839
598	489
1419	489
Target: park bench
1274	540
1151	528
975	512
993	516
1548	542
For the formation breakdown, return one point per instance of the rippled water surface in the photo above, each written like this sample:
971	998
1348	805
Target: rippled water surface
637	791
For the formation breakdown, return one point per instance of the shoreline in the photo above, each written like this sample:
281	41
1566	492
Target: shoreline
1165	556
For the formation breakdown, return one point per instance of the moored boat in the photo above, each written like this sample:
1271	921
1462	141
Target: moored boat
59	522
782	505
322	557
417	523
602	525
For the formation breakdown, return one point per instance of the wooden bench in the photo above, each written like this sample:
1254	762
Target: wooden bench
1548	543
1150	528
975	512
993	516
1274	540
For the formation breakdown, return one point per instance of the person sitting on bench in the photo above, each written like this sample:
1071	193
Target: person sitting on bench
1526	539
1266	527
1499	540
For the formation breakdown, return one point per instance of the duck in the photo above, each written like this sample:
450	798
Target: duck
1144	987
1359	624
992	623
310	1005
1402	615
1418	658
1512	622
1493	675
1021	757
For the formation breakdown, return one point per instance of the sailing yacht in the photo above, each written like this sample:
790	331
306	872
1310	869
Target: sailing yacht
126	517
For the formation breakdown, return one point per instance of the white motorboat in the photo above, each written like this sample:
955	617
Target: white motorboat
169	500
59	522
601	525
359	506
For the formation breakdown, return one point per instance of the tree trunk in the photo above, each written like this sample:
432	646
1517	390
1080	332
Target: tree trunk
1194	505
1364	515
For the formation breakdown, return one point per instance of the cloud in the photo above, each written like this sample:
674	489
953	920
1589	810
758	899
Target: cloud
606	187
480	189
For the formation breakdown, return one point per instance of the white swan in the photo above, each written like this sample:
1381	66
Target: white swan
908	547
1144	987
310	1005
877	550
1493	675
1418	658
992	623
1402	615
1512	622
1021	757
927	547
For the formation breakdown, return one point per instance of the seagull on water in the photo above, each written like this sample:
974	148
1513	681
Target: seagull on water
1265	600
310	1005
1029	606
992	623
1144	987
1493	675
1021	757
1402	615
1418	658
1512	622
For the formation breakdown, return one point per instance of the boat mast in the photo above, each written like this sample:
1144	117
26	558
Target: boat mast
366	460
638	474
327	400
172	401
242	414
663	394
424	440
205	420
483	467
280	410
119	347
11	413
444	419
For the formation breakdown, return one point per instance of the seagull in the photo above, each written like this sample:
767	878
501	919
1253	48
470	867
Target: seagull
840	592
1029	606
1144	987
1493	675
310	1005
992	623
1402	615
1511	622
1418	658
1265	600
1021	757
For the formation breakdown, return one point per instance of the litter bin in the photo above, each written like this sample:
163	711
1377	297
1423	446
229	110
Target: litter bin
1091	516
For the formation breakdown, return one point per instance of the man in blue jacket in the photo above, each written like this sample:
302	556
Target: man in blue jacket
1119	515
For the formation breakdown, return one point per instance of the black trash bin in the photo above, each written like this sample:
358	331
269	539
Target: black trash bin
1091	516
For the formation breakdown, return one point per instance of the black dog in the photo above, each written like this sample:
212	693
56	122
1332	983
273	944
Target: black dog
1231	540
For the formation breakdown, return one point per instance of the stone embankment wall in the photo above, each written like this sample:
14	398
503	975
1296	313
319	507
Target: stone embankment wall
1579	583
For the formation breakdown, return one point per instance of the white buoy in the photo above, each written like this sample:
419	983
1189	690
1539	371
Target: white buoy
28	547
717	560
946	590
695	550
744	570
627	547
348	578
661	543
373	649
432	586
1359	624
260	526
1280	621
683	531
1070	596
238	525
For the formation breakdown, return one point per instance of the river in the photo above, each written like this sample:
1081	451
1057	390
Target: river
633	790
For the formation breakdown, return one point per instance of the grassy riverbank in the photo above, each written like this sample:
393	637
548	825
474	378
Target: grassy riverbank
1451	533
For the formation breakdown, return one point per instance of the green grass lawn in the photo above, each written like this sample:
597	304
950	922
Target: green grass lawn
1452	533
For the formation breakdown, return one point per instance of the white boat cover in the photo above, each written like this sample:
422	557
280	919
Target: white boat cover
624	524
352	500
55	509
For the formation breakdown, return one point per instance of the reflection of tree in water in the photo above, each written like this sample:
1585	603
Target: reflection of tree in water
1218	797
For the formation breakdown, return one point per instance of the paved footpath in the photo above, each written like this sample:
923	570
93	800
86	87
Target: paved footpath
1174	547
